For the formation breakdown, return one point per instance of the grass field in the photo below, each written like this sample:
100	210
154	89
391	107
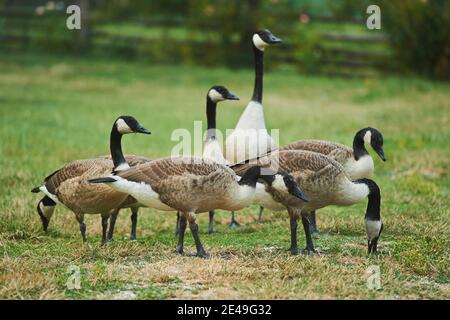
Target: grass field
54	110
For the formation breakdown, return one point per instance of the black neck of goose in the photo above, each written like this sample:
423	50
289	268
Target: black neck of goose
116	147
259	69
373	205
211	118
359	149
250	177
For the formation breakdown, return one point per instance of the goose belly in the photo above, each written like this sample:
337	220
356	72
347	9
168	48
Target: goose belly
81	196
361	168
142	192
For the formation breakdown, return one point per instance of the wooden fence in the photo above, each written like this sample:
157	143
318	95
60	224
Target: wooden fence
338	53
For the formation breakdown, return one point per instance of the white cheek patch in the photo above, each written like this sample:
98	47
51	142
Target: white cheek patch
122	126
278	184
258	42
368	137
215	96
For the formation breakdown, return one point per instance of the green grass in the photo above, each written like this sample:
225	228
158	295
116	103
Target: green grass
54	110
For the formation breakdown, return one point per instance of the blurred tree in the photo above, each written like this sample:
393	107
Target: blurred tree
419	33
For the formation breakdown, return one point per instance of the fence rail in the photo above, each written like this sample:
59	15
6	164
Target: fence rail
338	56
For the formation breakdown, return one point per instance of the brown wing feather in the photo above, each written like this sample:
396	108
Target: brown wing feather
79	167
185	183
336	151
158	170
75	169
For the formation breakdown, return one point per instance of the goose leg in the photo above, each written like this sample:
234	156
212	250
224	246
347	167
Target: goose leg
112	223
134	217
211	222
194	229
80	219
261	209
181	231
294	246
312	222
177	227
233	222
309	243
293	222
105	218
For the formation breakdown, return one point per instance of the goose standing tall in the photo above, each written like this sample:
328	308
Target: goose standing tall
69	185
212	149
250	138
324	182
356	161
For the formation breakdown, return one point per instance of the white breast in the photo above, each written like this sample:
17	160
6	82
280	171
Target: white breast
250	138
362	168
142	192
252	117
264	199
213	152
242	196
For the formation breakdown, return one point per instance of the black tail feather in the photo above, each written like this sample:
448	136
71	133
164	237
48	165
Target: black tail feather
36	190
102	180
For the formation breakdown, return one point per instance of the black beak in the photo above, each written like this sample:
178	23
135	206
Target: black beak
296	192
231	96
372	245
380	152
141	129
274	40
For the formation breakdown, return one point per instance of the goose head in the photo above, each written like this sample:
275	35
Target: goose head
220	93
128	124
285	183
374	137
264	38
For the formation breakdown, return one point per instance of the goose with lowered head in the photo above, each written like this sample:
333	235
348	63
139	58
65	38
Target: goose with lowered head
357	161
324	182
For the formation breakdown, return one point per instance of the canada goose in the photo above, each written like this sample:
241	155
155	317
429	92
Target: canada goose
253	116
251	127
191	185
212	149
357	162
69	185
324	182
46	206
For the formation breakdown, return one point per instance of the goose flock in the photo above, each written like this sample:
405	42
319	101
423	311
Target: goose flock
300	177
